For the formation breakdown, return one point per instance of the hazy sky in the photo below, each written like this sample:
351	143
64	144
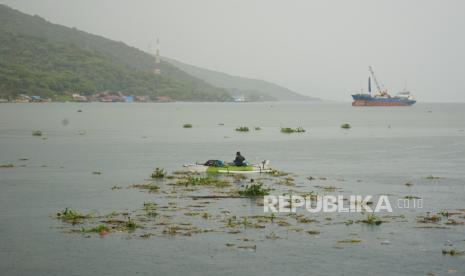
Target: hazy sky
320	48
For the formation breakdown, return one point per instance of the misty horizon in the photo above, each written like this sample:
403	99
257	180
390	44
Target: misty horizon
318	49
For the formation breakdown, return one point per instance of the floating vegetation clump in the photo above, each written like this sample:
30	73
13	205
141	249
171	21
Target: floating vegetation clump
158	173
237	177
254	190
97	172
242	129
349	222
272	236
432	177
258	128
36	133
146	186
452	252
181	173
187	126
7	166
411	197
454	222
429	218
350	241
203	181
448	213
288	181
71	216
131	225
292	130
101	229
278	173
372	220
328	188
303	219
184	204
346	126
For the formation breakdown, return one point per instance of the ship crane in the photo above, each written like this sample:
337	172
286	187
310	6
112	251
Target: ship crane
374	79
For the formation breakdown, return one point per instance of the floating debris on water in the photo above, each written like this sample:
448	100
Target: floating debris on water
187	126
101	229
452	252
146	186
36	133
411	197
71	216
346	126
292	130
272	236
371	219
254	190
158	173
429	218
385	242
277	173
203	181
242	129
350	241
454	222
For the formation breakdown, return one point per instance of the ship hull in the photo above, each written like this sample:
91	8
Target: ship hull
378	103
368	100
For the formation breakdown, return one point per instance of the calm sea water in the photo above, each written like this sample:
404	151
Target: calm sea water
385	148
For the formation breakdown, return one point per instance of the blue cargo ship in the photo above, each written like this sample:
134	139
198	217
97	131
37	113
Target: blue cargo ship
382	97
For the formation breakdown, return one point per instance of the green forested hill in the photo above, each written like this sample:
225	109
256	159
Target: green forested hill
41	58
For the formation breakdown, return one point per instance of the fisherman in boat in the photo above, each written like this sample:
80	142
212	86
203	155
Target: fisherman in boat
239	161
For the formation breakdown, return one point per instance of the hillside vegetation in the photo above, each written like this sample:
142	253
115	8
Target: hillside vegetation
41	58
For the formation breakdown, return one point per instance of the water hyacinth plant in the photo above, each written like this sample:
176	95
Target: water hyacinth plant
254	190
346	126
372	220
187	126
242	129
36	133
71	216
203	181
130	224
292	130
101	229
158	173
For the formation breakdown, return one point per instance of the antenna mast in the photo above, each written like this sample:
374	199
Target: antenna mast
157	58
